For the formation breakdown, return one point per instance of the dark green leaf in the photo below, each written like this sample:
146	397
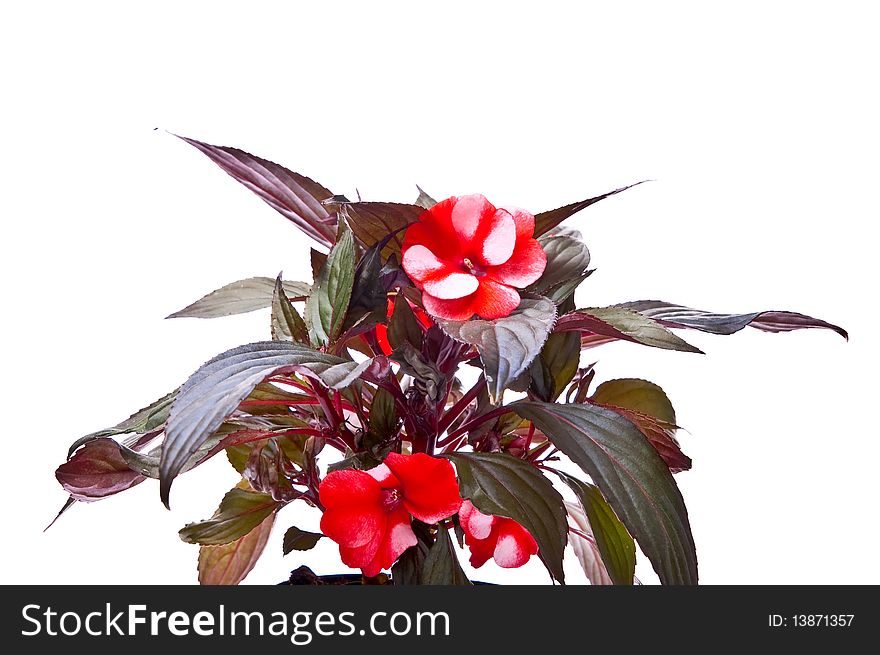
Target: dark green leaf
555	367
639	395
216	389
239	513
404	326
685	317
632	477
545	221
659	434
626	324
294	196
369	300
372	222
502	485
507	345
239	298
567	260
230	563
441	566
327	306
615	544
383	421
424	200
296	539
408	568
287	324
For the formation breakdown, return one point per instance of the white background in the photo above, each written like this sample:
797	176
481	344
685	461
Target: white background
758	124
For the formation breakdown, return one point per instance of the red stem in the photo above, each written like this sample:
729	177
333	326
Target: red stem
456	410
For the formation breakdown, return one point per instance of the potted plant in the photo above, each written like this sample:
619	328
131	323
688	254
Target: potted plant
426	388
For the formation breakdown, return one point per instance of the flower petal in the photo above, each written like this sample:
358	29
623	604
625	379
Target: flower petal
398	537
482	550
494	242
459	309
525	223
434	230
450	286
474	522
420	263
353	526
428	486
362	556
350	487
383	475
525	266
494	300
468	212
514	545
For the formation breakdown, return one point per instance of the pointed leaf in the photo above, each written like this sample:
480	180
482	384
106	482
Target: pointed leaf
555	367
632	477
239	298
327	305
499	484
441	566
626	324
424	200
230	563
287	324
215	390
372	222
294	196
239	513
545	221
567	259
615	544
660	434
639	395
768	321
97	470
507	345
296	539
369	301
585	548
404	326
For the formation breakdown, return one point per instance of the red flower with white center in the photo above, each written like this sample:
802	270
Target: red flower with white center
368	512
497	537
469	257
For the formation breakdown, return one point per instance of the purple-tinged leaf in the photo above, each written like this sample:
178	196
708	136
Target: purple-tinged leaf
678	316
424	200
615	544
216	389
545	221
240	512
97	470
295	196
441	566
372	222
622	323
660	435
506	345
230	563
567	261
632	477
240	297
585	548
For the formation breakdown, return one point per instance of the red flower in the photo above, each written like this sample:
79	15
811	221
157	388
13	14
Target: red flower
382	330
469	258
368	512
496	537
